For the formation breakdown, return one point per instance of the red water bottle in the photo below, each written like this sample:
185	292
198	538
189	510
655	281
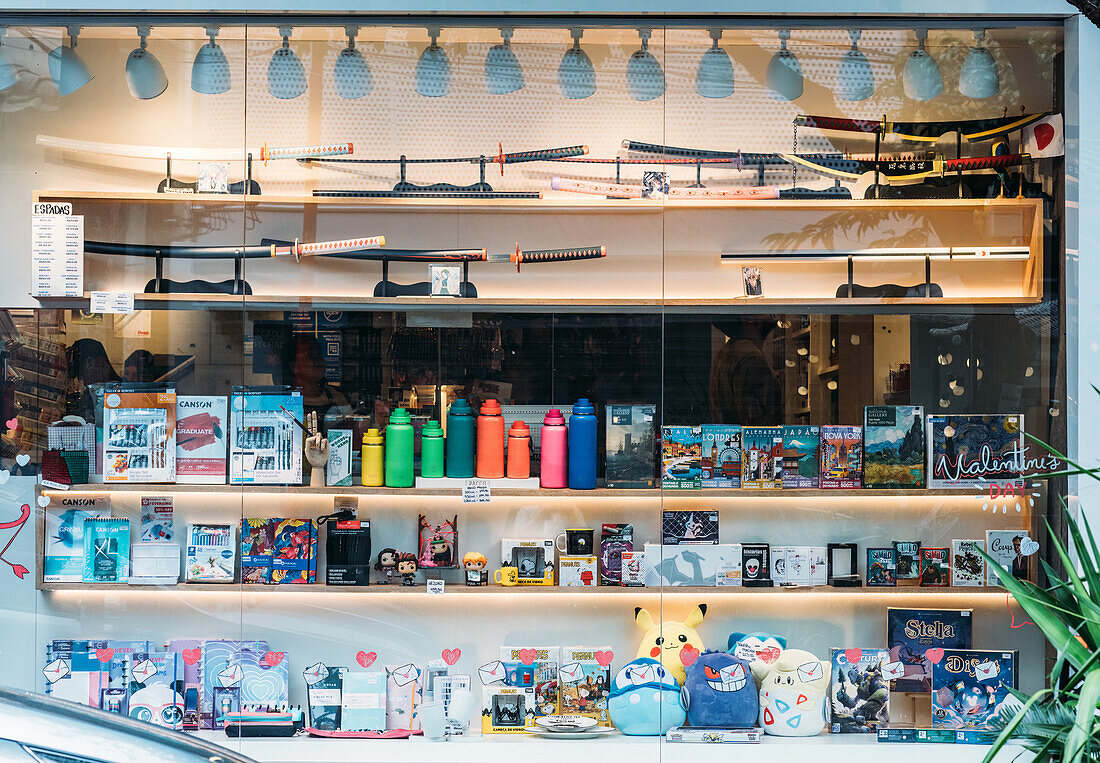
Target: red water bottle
519	451
490	441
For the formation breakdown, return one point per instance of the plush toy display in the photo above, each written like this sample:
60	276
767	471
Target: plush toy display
720	691
673	643
645	699
760	649
793	695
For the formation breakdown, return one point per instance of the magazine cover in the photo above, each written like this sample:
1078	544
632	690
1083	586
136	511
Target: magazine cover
801	462
881	567
935	566
1011	548
762	458
912	632
907	559
970	686
631	446
859	690
893	446
967	565
721	456
972	450
841	457
681	454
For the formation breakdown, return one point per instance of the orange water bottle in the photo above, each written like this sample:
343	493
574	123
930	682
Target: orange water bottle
519	451
490	441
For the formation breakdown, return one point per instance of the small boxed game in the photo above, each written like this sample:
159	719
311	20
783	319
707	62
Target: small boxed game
935	566
211	554
897	735
721	456
893	446
363	701
1008	548
970	686
728	572
533	558
761	458
201	422
756	565
688	528
338	468
859	690
139	433
681	457
614	540
256	550
881	567
347	553
106	550
714	735
907	561
156	518
584	681
576	571
912	632
633	567
841	457
791	566
801	462
973	450
265	445
689	565
967	565
63	555
631	446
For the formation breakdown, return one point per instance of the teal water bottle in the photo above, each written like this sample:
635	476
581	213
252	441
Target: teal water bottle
431	450
460	440
399	450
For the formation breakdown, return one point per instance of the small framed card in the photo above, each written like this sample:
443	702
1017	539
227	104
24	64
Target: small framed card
754	281
446	280
213	177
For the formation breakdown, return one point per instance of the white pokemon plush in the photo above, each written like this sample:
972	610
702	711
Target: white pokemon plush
793	695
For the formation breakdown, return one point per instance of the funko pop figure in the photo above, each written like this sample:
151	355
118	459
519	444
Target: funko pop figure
475	563
407	567
441	551
387	563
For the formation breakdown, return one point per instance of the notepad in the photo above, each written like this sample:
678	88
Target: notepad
363	702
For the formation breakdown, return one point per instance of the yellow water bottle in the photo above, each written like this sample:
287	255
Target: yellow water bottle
372	458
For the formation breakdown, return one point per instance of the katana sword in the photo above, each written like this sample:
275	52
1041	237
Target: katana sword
971	129
130	151
620	191
501	158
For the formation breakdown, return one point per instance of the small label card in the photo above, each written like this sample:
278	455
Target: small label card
112	302
475	491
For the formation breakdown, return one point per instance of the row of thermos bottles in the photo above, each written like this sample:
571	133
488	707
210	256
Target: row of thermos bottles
568	453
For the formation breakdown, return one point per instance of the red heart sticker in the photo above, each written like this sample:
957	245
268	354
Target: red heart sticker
853	655
768	654
934	655
688	655
104	655
12	423
1044	134
366	659
191	656
527	656
450	656
271	659
604	657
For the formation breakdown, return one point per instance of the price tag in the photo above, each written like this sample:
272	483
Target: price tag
112	302
475	491
57	251
435	586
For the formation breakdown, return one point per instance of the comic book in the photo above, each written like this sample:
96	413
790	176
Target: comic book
584	682
967	566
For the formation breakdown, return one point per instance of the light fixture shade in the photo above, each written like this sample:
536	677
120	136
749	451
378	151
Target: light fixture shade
921	76
286	77
784	77
855	80
144	75
714	77
503	74
67	71
433	69
210	71
8	75
576	75
352	74
645	80
978	77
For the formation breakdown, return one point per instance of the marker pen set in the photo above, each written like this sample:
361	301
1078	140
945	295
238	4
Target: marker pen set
139	438
265	444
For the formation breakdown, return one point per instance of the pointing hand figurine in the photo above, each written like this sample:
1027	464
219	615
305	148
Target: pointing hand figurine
316	452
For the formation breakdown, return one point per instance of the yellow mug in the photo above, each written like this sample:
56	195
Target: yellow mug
507	576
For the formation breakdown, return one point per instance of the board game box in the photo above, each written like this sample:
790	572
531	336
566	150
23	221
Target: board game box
935	566
801	460
972	450
689	527
631	447
970	686
681	457
721	456
841	457
912	632
967	565
762	458
893	446
859	690
881	567
1007	548
907	559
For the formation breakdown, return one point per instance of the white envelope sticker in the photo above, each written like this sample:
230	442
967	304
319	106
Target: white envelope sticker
986	670
642	674
893	670
405	674
571	673
315	672
810	671
492	672
144	670
56	670
230	676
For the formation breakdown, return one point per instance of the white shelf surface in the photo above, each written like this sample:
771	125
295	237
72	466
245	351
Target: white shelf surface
825	748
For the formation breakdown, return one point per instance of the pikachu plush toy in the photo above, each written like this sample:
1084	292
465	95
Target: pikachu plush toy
673	643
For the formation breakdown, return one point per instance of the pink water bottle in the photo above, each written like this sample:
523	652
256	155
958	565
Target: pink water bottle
552	471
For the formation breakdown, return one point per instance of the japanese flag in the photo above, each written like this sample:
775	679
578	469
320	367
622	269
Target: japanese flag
1044	138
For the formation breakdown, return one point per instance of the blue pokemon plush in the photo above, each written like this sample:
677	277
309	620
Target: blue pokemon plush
645	699
720	691
762	650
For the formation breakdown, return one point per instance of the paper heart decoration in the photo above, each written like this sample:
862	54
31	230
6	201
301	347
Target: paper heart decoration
1028	546
13	423
366	659
604	657
1044	134
450	656
271	659
688	655
43	501
853	655
768	654
104	655
192	656
527	656
934	655
23	459
4	474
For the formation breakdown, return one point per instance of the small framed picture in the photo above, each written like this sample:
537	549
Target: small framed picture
213	177
754	281
446	280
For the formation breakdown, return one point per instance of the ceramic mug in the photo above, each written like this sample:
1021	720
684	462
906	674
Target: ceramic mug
507	576
576	541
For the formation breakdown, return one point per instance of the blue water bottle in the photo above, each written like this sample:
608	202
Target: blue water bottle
582	446
460	440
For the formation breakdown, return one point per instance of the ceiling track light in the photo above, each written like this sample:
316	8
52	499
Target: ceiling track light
286	77
785	72
210	71
645	80
576	75
921	76
351	73
978	77
855	79
714	77
67	71
144	75
8	75
433	68
503	74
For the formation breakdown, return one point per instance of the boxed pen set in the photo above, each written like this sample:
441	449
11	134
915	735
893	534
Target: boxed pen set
139	433
265	443
201	421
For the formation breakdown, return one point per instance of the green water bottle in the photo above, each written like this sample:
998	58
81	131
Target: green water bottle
431	450
399	450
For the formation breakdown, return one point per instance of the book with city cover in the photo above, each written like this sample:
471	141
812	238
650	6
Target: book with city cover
973	450
893	446
631	446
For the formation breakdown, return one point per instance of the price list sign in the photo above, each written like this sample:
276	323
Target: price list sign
57	251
